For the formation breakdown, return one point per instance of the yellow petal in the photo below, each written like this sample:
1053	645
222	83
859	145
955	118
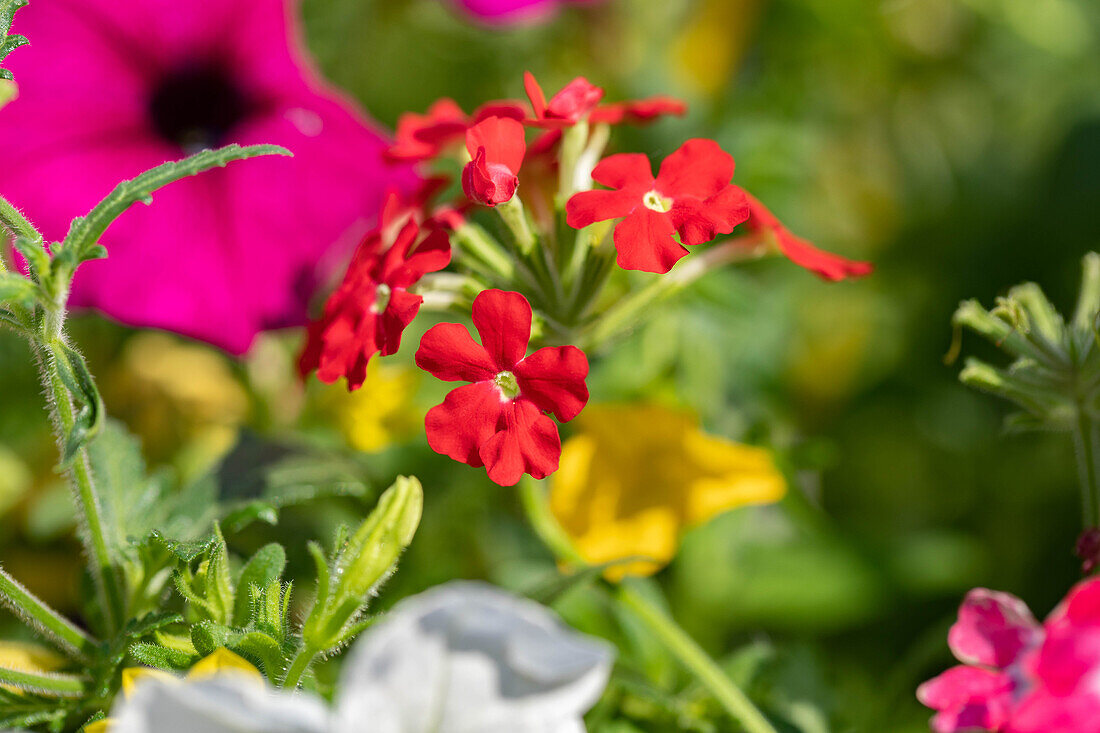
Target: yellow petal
132	676
223	661
26	656
100	726
635	477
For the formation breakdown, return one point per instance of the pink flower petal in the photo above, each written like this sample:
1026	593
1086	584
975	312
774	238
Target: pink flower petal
993	629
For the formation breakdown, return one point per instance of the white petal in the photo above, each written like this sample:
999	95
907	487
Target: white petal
217	705
470	658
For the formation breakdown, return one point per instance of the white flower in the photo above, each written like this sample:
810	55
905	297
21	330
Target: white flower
461	658
469	658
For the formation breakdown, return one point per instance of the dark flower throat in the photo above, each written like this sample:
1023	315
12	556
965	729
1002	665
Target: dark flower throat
196	107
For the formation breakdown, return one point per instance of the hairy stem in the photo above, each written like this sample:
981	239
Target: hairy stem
50	624
44	683
90	510
299	667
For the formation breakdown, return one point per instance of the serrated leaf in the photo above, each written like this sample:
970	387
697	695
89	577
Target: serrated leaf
84	233
9	43
265	566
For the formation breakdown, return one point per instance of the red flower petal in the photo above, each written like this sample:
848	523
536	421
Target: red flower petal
467	419
535	94
574	101
508	108
503	140
392	322
447	352
624	170
587	207
801	252
968	699
699	168
432	254
643	241
639	111
529	443
488	183
503	320
553	378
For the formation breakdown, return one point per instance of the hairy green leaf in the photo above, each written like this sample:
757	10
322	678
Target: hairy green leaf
159	657
16	289
81	242
265	566
9	43
88	405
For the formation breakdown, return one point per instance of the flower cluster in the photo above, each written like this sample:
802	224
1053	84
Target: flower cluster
1019	676
538	272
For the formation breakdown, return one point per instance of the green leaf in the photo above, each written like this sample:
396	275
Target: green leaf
260	647
38	260
219	584
81	242
9	43
88	405
208	636
16	289
159	657
265	566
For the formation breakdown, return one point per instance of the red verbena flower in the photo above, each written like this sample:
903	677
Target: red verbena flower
498	421
799	251
496	146
568	107
638	111
691	196
372	307
425	136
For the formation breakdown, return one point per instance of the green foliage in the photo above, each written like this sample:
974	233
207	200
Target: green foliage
9	43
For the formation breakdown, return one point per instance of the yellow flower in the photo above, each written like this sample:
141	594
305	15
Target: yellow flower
381	412
708	50
220	662
635	477
24	656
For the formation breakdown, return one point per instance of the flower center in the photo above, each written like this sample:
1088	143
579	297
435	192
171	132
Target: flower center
508	386
656	202
196	106
382	294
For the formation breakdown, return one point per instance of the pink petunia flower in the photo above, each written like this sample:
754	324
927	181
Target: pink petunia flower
514	11
371	308
110	88
1018	676
691	196
496	146
499	421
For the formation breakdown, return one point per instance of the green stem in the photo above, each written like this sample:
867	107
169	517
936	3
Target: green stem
692	656
17	224
54	685
537	508
91	512
474	240
514	216
299	666
624	313
1087	443
34	612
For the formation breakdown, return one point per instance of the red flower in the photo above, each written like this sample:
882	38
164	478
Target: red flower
568	107
421	137
799	251
499	421
691	196
372	306
497	147
638	111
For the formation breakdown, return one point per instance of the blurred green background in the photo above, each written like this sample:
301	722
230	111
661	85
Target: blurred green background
956	143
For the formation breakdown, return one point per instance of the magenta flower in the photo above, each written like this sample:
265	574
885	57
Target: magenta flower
110	88
1018	676
514	11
